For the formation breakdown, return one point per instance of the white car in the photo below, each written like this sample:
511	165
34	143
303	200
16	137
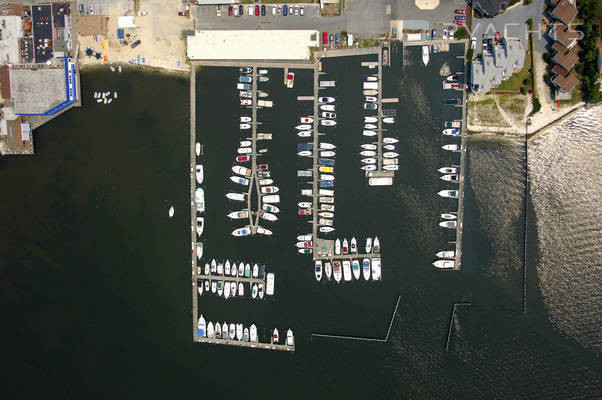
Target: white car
273	10
302	10
473	43
250	10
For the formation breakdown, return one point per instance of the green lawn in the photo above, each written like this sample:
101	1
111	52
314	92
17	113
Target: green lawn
516	80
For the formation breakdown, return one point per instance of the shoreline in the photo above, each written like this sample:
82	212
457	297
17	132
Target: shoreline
144	68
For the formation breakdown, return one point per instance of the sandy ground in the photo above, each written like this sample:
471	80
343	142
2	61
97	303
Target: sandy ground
160	32
507	114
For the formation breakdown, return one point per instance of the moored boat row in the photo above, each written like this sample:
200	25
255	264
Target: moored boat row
238	332
347	269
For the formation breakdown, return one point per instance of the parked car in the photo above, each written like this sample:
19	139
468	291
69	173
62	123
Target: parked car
473	43
331	38
460	11
279	10
230	10
460	17
241	10
302	11
284	10
250	10
324	37
183	13
257	10
236	11
433	34
296	10
81	9
337	39
135	44
273	10
459	22
497	36
91	8
444	34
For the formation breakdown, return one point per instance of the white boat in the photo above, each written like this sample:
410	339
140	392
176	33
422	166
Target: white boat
448	170
353	248
369	160
290	338
368	153
368	146
327	146
305	237
327	153
327	107
254	291
376	269
326	114
199	173
318	270
197	149
241	289
218	330
355	268
369	245
232	331
260	291
306	120
449	224
227	290
370	126
325	99
245	143
220	288
336	270
244	150
273	198
370	119
450	177
264	136
200	288
370	92
376	245
390	154
366	268
213	286
370	106
201	327
269	189
253	333
367	132
220	268
326	177
446	254
246	70
269	289
303	127
236	196
346	270
239	214
275	336
328	122
267	216
239	331
388	120
326	199
171	212
369	167
328	269
448	216
245	231
245	119
371	99
199	198
240	180
450	147
207	269
263	231
389	140
425	54
245	126
451	132
303	245
227	267
213	266
449	193
391	167
304	204
304	133
246	102
265	182
240	170
199	250
306	192
305	153
326	214
262	71
345	246
337	246
445	264
390	161
270	208
326	229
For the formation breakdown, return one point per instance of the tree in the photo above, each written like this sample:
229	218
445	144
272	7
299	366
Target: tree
469	54
536	105
526	81
461	33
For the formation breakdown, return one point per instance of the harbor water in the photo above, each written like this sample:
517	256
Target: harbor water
96	277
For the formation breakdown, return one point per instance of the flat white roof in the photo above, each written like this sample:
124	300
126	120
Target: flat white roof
10	31
252	45
125	22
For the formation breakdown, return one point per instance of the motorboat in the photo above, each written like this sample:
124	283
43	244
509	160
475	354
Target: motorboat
264	182
262	72
270	208
368	153
391	167
199	250
369	245
245	335
264	78
370	126
241	289
376	245
171	212
254	291
199	173
245	126
246	102
275	336
366	268
345	246
328	153
327	146
218	330
371	99
303	127
326	229
425	54
326	199
448	216
326	214
305	153
239	331
245	94
245	79
355	268
269	189
246	231
326	114
372	78
390	140
245	143
451	132
207	269
328	162
453	78
449	193
368	132
304	211
290	80
213	266
269	290
370	120
236	196
448	170
304	173
263	231
327	207
327	107
326	177
243	158
369	167
262	166
304	133
239	214
369	160
389	120
245	119
390	154
353	248
304	251
199	287
306	120
336	270
328	269
197	149
227	290
304	204
449	224
199	198
240	170
453	124
445	264
306	192
264	136
246	70
260	291
451	147
200	327
346	270
370	92
326	184
337	246
213	287
370	106
244	150
240	180
253	333
376	269
267	216
234	273
318	270
368	146
305	237
446	254
232	331
450	178
220	288
328	122
290	338
325	99
220	268
389	147
273	198
200	225
247	270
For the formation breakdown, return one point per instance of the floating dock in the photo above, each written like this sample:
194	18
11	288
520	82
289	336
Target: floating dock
240	343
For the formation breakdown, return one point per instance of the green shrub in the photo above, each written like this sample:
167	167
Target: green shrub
523	90
469	54
461	33
536	105
526	81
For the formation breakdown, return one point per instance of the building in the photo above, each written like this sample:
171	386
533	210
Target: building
563	11
564	80
489	8
252	45
564	57
567	37
491	68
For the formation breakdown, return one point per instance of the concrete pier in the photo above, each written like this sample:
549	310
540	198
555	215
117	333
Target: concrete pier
229	278
192	190
240	343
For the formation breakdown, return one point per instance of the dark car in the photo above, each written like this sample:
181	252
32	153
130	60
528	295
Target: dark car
434	34
263	10
256	10
81	8
136	43
460	17
284	9
241	10
230	11
324	37
337	38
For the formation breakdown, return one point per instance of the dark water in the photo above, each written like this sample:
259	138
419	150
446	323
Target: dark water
96	279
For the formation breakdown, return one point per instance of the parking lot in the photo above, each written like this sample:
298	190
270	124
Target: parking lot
93	7
442	17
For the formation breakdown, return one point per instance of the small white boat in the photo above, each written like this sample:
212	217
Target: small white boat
304	133
367	132
372	79
267	216
266	181
239	331
375	269
328	122
445	264
353	248
290	338
371	99
253	333
303	127
275	336
273	198
245	126
245	119
327	107
239	214
326	214
450	177
390	140
232	331
218	330
171	211
325	99
368	153
305	237
390	154
197	149
389	147
369	167
262	71
366	268
369	245
305	153
327	153
199	250
264	136
241	289
269	189
306	120
446	254
451	147
370	126
369	160
326	199
391	167
227	290
345	246
200	287
388	120
207	269
449	224
448	170
425	54
254	291
355	268
337	246
213	286
328	269
326	229
370	92
246	231
201	327
368	146
199	173
336	270
255	270
346	270
269	290
244	150
326	177
451	132
448	216
376	245
449	193
263	231
370	120
236	196
318	270
245	143
330	115
240	180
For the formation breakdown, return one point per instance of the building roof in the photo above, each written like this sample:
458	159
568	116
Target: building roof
37	90
564	56
566	83
507	58
564	11
491	7
564	35
252	45
5	82
11	31
92	25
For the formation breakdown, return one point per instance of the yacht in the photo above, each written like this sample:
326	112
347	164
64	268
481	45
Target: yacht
390	154
245	119
345	246
376	245
355	268
325	99
290	338
239	331
264	136
326	229
336	270
390	140
240	170
304	251
448	216
328	122
200	225
239	214
327	146
318	270
326	199
220	288
389	120
253	333
328	153
368	153
272	198
445	264
213	266
199	197
369	245
304	204
326	114
218	330
263	231
369	167
367	132
247	270
449	224
306	120
197	149
245	126
245	94
449	193
453	78
240	180
448	170
370	119
268	216
327	107
450	147
275	336
201	327
232	331
269	290
326	214
244	150
425	55
366	268
346	270
241	289
450	177
269	189
263	182
199	250
199	173
326	177
227	290
451	132
375	269
391	167
368	146
328	269
337	246
213	286
236	196
370	126
246	231
369	160
446	254
371	99
303	127
304	133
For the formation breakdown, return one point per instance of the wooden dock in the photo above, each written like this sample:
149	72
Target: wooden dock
237	279
192	190
240	343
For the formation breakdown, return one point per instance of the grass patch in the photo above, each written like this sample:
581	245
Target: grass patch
513	104
367	42
515	82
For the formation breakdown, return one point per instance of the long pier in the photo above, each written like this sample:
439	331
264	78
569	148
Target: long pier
251	345
195	314
316	152
229	278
